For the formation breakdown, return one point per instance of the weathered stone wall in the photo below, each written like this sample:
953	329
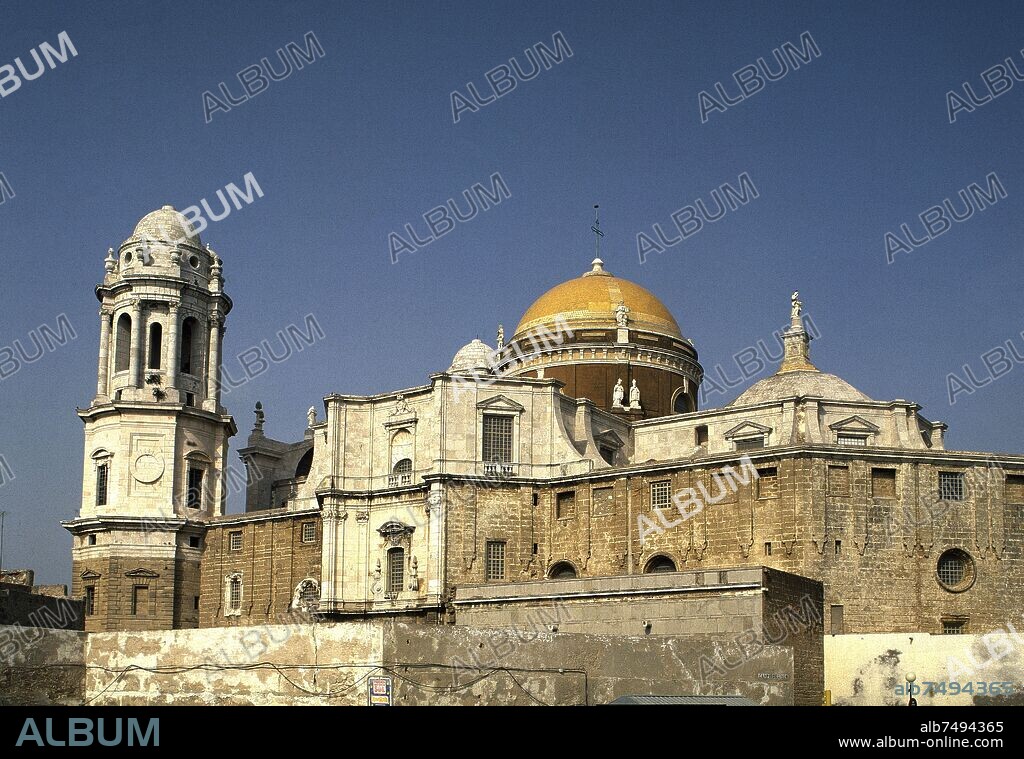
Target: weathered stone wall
19	605
871	669
272	561
41	666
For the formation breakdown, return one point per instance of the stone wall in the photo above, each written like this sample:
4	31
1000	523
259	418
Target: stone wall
19	605
871	669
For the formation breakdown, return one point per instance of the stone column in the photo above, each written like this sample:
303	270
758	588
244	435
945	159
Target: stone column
103	372
213	366
135	362
172	346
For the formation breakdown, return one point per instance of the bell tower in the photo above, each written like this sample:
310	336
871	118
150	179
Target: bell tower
156	435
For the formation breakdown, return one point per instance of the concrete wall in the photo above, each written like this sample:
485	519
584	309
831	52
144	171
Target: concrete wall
41	666
868	669
728	616
329	663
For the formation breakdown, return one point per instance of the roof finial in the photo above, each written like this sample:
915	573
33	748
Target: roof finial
598	234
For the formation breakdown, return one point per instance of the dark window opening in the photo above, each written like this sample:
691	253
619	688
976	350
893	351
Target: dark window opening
701	434
194	496
123	343
495	560
90	600
156	333
837	619
660	564
396	570
563	570
497	441
102	476
565	505
305	464
189	354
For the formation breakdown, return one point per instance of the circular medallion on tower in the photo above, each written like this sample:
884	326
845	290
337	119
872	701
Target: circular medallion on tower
148	468
597	332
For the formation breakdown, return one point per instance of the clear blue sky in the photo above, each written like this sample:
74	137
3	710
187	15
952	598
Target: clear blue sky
361	142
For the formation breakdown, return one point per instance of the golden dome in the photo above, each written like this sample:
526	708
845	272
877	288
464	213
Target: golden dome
590	301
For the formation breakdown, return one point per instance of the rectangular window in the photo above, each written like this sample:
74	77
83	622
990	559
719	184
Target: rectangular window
102	475
951	486
140	601
309	532
954	626
767	549
750	443
838	547
883	483
565	505
1014	488
701	434
608	454
603	502
195	603
193	541
661	494
396	570
90	600
855	440
235	594
837	620
767	483
839	480
91	540
495	560
194	496
235	541
497	443
190	399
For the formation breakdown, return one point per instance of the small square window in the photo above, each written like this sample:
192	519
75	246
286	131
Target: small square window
235	541
951	486
193	541
309	532
91	540
854	440
954	626
750	443
661	494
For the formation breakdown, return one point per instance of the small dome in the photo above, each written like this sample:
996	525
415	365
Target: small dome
166	225
803	382
590	300
475	355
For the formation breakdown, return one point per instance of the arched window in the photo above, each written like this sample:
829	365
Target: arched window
190	360
660	564
401	473
563	570
304	465
396	570
233	595
156	334
682	404
307	595
123	343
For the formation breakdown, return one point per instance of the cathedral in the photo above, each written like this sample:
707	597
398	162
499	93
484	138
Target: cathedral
574	450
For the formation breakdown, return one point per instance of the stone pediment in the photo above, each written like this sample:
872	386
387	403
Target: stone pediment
747	429
500	403
90	575
609	439
854	424
140	572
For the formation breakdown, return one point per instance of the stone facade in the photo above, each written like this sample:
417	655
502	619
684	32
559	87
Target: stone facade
502	469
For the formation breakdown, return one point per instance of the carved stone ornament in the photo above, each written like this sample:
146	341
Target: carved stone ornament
395	533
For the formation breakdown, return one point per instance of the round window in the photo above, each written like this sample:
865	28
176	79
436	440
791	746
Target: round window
955	570
128	257
194	262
